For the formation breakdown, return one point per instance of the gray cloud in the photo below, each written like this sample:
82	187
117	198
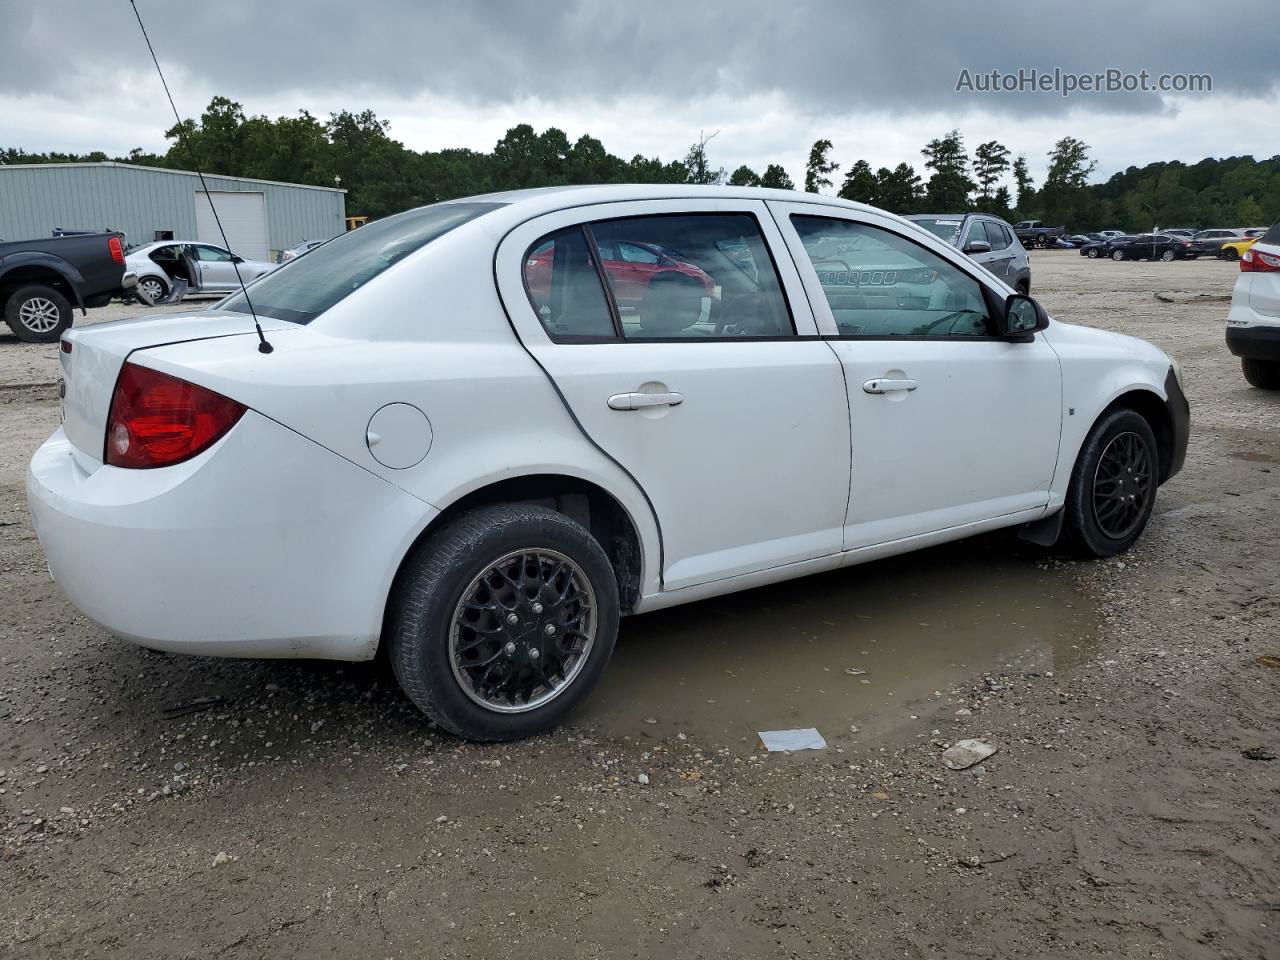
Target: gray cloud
821	57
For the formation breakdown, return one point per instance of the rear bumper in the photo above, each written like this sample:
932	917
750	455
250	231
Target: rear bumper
265	545
1254	342
1180	416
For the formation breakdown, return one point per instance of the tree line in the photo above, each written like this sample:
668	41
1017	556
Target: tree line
383	176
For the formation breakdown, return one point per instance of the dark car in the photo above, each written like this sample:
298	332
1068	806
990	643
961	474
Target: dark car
42	281
1153	246
1101	247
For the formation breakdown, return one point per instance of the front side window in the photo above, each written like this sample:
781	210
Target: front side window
879	284
692	276
211	254
997	235
975	232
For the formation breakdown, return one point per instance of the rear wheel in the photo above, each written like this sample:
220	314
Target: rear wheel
1167	256
37	313
1113	486
155	288
503	621
1264	374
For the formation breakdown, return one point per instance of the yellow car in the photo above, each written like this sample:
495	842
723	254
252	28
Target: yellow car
1236	248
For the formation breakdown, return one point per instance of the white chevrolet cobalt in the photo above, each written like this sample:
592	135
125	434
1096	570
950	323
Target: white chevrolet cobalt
487	429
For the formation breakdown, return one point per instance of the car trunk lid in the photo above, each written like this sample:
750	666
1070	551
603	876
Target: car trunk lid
92	356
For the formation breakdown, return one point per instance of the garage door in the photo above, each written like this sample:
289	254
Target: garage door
244	217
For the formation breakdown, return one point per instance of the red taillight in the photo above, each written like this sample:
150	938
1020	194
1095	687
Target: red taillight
117	250
65	345
157	420
1255	261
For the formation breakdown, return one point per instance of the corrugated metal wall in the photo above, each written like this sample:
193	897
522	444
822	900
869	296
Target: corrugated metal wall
35	199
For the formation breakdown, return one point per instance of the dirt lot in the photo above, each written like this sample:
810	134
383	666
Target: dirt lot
305	810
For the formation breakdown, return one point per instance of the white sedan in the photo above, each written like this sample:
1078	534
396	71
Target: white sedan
206	267
488	428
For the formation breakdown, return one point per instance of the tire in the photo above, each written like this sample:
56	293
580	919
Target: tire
1024	287
1168	256
154	287
1117	433
458	567
1230	254
1117	255
37	313
1092	254
1263	374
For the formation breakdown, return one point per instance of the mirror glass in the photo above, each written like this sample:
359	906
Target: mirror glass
1022	316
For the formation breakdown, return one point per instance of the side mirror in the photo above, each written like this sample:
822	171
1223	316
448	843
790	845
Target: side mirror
236	259
1022	317
977	246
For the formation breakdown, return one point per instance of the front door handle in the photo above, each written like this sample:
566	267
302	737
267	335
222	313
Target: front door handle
638	401
880	385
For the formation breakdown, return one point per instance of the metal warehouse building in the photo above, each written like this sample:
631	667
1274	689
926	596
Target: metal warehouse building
151	203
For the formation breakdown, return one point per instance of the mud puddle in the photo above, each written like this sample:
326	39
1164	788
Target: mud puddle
858	647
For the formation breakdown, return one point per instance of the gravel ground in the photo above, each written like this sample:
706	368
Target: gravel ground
155	806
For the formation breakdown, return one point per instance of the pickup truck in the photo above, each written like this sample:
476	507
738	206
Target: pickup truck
42	281
1033	233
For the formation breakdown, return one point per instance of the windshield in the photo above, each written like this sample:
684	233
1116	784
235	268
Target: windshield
305	287
947	228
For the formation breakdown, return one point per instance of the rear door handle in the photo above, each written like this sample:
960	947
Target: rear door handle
637	401
888	386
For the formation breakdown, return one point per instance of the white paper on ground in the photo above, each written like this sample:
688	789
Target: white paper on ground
784	740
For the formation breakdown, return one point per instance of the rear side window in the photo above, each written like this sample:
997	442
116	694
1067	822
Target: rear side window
305	287
997	235
679	277
880	285
564	286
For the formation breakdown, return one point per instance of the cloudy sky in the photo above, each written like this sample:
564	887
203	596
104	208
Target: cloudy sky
645	77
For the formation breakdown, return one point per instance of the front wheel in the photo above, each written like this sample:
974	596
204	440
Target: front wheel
1117	255
1263	374
503	621
1113	485
1092	254
38	313
1230	254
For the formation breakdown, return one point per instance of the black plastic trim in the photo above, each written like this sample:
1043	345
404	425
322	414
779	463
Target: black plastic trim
1254	343
1180	416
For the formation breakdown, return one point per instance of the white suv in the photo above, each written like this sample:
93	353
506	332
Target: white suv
479	432
1253	323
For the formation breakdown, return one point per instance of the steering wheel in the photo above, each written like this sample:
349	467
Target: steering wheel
928	328
731	306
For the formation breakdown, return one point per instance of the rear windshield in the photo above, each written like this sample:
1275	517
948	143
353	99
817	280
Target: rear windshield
305	287
948	228
1272	236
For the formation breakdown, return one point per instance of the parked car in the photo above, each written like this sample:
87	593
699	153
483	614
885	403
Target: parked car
1179	232
206	268
284	256
1033	233
1095	249
1080	239
42	281
985	239
1209	242
1253	322
633	269
1234	249
1152	246
1113	234
480	470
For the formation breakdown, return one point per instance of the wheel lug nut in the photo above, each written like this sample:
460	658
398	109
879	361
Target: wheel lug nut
509	649
549	629
537	608
534	654
512	619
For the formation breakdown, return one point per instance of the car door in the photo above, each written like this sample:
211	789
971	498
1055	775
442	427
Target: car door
1001	261
951	426
217	272
710	386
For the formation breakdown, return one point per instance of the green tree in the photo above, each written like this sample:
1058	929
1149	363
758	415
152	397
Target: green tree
949	186
1249	212
1062	198
859	184
699	167
1026	187
898	190
990	161
776	177
818	168
744	176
